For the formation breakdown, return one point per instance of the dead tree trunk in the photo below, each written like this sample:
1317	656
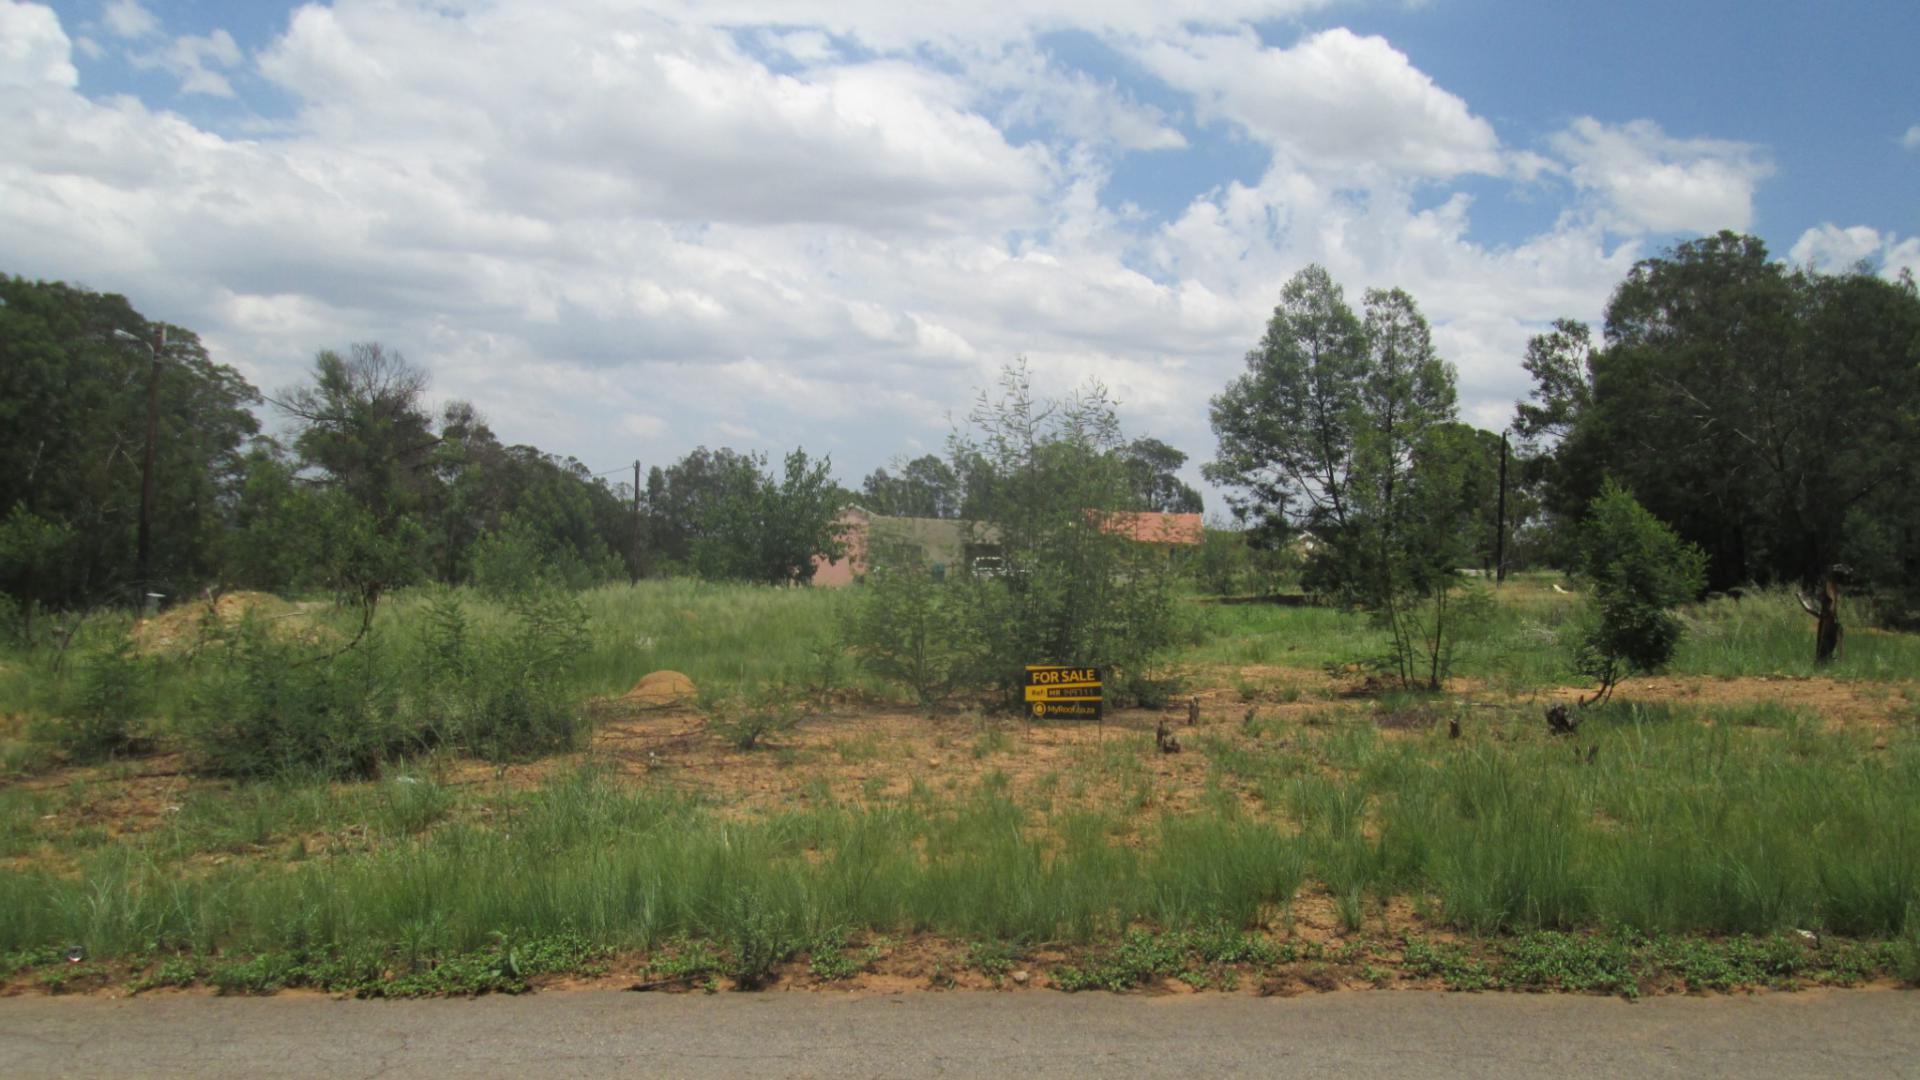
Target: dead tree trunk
1825	609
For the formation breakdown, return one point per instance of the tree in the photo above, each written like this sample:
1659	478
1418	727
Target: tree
30	560
1766	413
1345	426
704	498
1286	428
799	519
1639	572
1325	428
724	516
360	429
1075	590
1151	467
360	423
271	540
1400	516
925	487
904	625
73	429
1561	365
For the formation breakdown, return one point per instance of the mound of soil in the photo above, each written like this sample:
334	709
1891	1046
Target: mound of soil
660	690
179	628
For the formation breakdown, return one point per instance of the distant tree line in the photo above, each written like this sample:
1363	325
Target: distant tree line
367	491
972	486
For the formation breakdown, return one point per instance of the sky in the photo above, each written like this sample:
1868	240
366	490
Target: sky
627	229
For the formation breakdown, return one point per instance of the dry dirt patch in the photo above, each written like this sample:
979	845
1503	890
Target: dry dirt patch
1841	704
184	626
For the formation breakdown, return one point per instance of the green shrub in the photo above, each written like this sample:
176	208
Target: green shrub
1640	571
1906	951
13	622
902	628
1078	587
509	562
502	693
269	707
110	689
746	722
757	939
1073	585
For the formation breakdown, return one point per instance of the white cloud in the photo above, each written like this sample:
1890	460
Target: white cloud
1335	101
906	23
1901	257
1037	92
127	19
622	232
33	48
621	113
1831	249
1648	181
1911	140
192	59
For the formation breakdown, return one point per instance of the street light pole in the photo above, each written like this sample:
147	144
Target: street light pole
144	543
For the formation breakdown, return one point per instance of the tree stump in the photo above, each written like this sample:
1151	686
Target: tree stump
1164	739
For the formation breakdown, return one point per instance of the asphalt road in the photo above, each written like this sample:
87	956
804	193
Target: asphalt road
1406	1035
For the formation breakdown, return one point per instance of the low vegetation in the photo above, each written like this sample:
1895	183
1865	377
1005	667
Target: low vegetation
1306	837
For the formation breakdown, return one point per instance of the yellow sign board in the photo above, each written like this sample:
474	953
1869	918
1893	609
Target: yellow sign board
1064	691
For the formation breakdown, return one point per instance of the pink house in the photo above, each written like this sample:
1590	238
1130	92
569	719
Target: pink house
953	546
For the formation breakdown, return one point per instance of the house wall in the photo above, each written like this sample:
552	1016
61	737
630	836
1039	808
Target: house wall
953	545
836	573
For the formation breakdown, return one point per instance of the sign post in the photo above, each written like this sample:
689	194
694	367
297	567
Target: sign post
1064	692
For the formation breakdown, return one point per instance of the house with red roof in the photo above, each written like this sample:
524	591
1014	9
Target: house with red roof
958	547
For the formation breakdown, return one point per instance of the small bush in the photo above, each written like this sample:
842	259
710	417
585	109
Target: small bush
1906	951
757	941
1078	588
903	627
110	690
271	707
13	622
1640	571
745	723
503	694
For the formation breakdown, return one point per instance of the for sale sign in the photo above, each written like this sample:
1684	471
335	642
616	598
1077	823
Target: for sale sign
1063	691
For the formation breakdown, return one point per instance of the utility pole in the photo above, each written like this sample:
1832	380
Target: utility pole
143	544
1500	523
635	571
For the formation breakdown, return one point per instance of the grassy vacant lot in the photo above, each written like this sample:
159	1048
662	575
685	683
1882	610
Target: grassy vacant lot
1737	821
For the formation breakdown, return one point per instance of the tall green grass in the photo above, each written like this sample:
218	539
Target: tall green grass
1518	645
591	857
720	636
1669	827
1766	633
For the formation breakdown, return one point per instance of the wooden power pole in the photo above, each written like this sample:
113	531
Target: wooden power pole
1500	522
634	570
143	545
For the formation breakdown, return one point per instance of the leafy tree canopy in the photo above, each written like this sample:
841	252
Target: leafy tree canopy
1767	413
72	432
